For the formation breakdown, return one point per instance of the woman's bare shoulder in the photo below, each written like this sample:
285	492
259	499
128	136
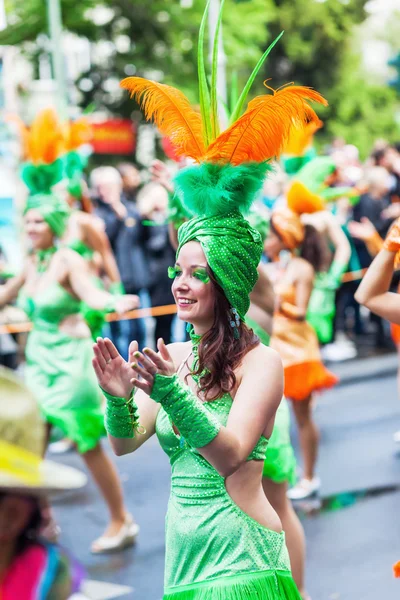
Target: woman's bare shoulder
179	351
301	268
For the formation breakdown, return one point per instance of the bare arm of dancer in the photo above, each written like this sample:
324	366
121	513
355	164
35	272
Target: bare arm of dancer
338	239
373	290
303	282
256	401
98	241
9	290
366	232
78	275
263	292
114	375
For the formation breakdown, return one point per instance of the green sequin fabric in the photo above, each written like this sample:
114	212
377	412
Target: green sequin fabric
210	542
214	550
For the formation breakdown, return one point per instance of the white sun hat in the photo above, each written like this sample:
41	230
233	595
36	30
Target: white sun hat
22	439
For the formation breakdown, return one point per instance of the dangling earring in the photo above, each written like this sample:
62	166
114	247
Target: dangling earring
235	323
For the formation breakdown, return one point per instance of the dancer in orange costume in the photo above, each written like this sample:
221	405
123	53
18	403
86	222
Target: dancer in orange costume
292	336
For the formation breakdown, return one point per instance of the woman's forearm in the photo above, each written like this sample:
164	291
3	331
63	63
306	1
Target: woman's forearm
373	290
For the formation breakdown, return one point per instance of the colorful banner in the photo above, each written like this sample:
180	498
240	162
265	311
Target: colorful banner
115	136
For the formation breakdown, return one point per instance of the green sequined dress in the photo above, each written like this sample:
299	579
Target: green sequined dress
214	550
59	368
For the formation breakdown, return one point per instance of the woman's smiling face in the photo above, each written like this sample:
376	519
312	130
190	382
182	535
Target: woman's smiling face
192	288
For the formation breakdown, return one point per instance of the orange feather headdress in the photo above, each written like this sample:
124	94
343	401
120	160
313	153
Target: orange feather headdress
259	134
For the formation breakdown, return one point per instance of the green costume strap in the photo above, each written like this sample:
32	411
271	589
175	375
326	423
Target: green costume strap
336	273
195	423
121	417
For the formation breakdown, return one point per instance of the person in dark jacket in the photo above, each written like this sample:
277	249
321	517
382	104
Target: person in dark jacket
128	237
152	204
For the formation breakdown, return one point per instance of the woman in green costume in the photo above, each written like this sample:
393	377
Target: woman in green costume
58	353
211	403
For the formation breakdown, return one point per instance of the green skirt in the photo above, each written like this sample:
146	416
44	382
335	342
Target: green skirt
60	374
280	462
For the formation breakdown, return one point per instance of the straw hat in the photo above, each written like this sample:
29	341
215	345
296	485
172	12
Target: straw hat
22	439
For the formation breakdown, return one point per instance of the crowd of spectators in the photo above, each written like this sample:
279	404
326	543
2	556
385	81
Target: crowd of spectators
134	211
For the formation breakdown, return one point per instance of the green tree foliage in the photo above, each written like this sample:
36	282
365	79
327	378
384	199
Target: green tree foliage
361	111
162	38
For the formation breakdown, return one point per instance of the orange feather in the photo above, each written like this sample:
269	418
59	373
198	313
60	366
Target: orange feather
301	138
263	130
171	112
77	133
45	138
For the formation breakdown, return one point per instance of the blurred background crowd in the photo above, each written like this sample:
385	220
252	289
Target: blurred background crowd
131	205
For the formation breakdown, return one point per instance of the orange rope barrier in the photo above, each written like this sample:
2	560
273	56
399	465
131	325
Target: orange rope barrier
155	311
138	313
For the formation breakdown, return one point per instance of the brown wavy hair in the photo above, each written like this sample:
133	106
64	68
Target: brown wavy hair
219	352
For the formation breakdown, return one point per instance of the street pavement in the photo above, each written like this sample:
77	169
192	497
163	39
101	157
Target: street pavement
353	530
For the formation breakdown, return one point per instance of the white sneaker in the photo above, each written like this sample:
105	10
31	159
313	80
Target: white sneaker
304	489
61	447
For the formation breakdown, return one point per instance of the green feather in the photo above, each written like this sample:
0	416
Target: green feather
214	74
204	94
239	105
216	189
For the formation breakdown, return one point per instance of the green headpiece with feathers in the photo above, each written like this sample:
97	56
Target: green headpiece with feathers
219	195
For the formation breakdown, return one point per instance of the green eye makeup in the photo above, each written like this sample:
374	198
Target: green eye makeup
199	273
202	275
174	272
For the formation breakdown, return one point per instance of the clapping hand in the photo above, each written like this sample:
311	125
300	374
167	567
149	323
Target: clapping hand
113	373
151	364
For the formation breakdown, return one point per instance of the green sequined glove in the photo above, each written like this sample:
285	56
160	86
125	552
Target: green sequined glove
195	423
121	417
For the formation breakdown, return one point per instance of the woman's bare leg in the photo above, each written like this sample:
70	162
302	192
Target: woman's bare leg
295	540
308	435
106	477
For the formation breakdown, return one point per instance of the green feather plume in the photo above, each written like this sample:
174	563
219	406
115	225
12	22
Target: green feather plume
217	189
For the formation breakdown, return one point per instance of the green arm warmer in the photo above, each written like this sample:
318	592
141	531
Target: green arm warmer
195	423
336	272
121	417
117	288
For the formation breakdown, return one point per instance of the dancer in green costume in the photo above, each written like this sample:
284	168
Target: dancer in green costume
211	401
280	464
54	284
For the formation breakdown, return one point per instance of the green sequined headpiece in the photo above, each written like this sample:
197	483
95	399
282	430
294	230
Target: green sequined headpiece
218	195
53	210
